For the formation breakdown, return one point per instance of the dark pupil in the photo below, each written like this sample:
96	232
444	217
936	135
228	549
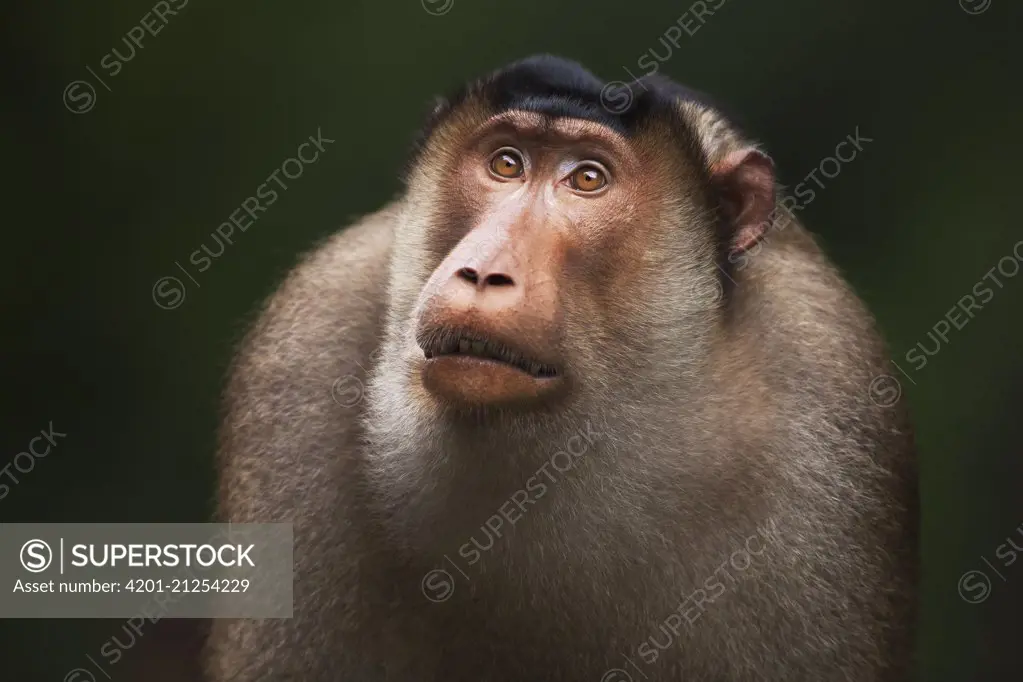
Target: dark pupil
508	162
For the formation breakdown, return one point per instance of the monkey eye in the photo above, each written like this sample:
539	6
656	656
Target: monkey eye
507	163
588	177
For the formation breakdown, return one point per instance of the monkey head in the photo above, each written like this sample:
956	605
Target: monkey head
551	250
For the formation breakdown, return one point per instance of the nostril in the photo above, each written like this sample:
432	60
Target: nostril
494	279
469	275
498	280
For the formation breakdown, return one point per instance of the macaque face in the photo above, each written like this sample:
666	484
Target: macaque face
562	246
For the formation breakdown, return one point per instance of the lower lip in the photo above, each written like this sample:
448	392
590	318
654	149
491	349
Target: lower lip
475	360
474	380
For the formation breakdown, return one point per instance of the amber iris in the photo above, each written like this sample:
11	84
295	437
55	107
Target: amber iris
506	164
588	179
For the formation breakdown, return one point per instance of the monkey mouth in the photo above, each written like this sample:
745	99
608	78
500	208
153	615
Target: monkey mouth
472	345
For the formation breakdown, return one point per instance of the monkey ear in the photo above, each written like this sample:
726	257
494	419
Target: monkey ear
745	182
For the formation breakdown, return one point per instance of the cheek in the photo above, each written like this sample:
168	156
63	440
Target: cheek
601	274
629	278
457	205
608	243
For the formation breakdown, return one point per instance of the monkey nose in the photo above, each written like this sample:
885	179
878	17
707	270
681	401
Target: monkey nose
488	290
482	280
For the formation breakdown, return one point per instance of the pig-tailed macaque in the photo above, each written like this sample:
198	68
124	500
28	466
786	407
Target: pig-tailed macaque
584	404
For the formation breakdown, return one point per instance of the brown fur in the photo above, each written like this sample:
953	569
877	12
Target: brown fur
712	420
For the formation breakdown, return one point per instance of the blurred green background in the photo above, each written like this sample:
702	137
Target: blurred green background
102	204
